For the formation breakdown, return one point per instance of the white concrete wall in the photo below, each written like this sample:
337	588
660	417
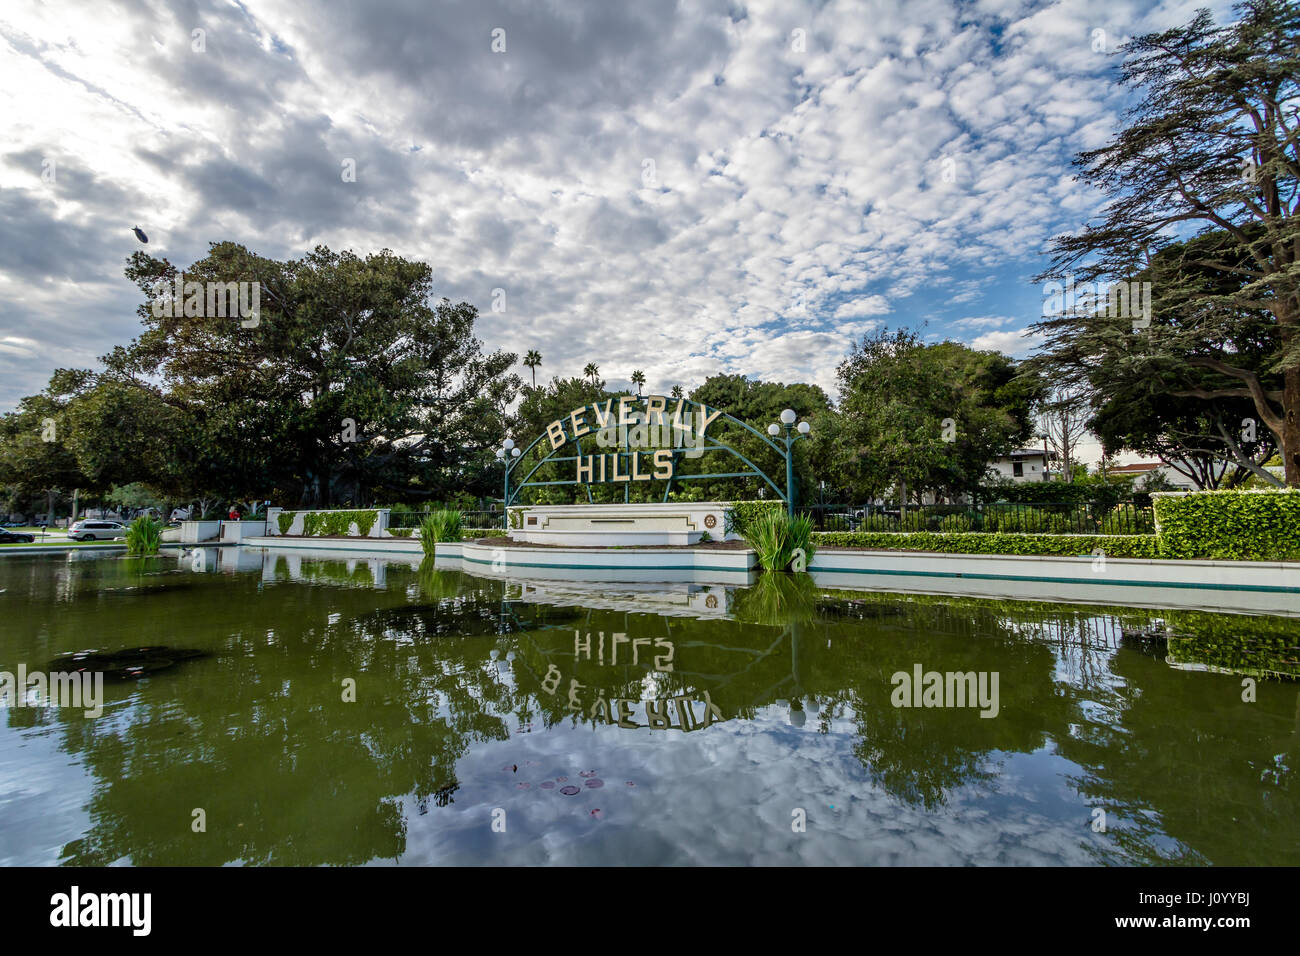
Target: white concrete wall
641	565
1210	585
586	525
378	530
196	532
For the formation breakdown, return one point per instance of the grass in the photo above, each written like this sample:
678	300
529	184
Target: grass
438	526
144	536
777	539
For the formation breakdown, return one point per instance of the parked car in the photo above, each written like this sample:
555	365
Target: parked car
97	530
13	537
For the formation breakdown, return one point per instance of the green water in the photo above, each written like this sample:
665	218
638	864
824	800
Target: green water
716	720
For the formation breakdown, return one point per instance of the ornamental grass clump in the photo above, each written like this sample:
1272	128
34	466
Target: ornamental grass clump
438	526
143	536
778	539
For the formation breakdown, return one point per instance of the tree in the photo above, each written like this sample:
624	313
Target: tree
1213	145
1063	417
925	417
591	371
1144	391
757	404
348	386
532	360
37	464
638	379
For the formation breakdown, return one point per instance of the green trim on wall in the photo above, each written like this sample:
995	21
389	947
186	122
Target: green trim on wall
1191	585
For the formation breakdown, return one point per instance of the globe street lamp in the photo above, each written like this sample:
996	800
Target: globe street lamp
507	454
801	431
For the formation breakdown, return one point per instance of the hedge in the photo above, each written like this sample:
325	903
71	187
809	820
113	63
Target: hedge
983	542
1230	525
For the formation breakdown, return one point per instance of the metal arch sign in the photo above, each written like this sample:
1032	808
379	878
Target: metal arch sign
648	436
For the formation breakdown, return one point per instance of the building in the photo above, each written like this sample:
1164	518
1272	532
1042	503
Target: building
1022	464
1139	470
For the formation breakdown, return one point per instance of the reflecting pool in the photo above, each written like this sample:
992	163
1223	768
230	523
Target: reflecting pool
300	710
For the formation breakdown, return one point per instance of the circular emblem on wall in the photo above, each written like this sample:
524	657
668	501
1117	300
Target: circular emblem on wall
711	601
710	521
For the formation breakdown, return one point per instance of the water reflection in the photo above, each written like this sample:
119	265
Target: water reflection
365	710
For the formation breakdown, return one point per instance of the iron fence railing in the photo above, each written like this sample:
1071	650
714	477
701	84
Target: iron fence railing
1058	517
470	520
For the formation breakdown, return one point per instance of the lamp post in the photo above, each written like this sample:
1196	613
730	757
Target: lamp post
801	431
507	454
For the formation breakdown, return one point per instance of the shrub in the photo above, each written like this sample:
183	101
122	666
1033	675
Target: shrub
1018	519
914	521
956	523
438	526
143	536
980	542
365	521
880	523
1126	519
311	523
1230	525
336	523
776	537
400	532
285	520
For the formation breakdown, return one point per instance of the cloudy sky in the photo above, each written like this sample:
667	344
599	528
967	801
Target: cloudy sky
684	188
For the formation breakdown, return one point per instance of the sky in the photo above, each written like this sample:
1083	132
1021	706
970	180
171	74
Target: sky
681	188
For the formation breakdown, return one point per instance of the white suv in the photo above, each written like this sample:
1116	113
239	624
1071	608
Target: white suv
97	530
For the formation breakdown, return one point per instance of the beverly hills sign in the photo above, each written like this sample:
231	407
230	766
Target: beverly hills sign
662	429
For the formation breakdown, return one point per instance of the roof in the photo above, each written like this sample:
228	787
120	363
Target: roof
1137	468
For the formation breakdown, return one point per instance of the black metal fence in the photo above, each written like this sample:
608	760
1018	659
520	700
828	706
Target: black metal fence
469	520
1061	517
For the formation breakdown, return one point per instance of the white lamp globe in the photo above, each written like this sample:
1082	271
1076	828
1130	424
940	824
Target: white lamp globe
788	416
803	428
773	429
514	453
508	444
500	454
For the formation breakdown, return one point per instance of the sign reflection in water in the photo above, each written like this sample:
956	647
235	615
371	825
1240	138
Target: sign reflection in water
782	691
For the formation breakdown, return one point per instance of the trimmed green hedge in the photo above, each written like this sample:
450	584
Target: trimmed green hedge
472	533
983	542
1230	525
285	520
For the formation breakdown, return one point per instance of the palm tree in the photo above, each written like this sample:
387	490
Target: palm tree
532	360
591	371
677	391
638	379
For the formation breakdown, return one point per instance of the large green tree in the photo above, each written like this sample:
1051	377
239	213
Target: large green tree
38	466
347	386
1211	153
926	417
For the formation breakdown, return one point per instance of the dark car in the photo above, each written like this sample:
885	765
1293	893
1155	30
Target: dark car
12	537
